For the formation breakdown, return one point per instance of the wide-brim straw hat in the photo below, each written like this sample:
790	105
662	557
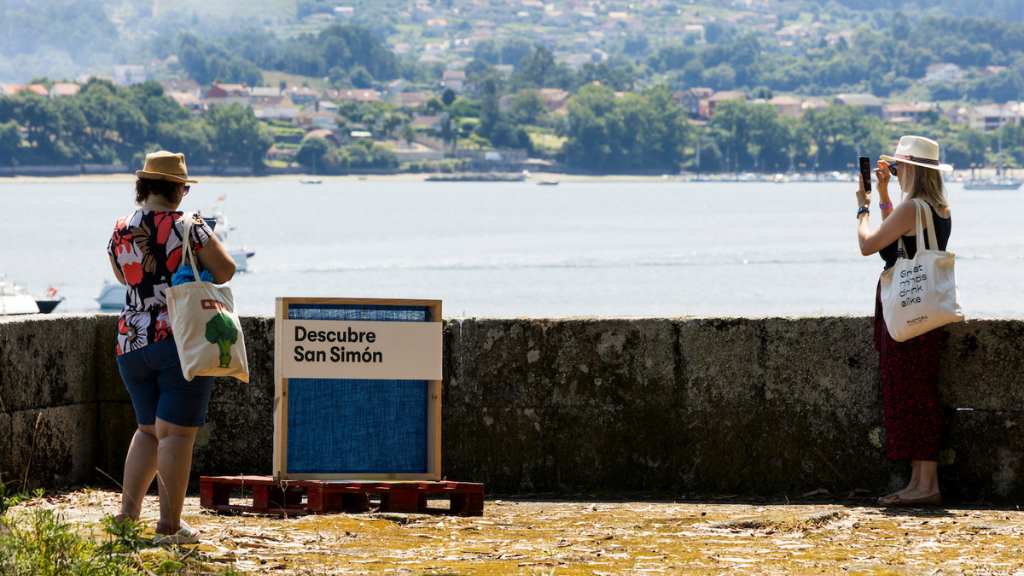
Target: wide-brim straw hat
919	151
164	165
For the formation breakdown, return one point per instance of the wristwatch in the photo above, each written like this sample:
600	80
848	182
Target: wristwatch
863	210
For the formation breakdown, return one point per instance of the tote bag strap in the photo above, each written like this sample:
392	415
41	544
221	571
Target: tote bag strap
933	240
186	238
919	233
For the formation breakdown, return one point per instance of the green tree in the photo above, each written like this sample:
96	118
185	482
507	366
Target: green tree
238	138
360	77
839	134
10	140
312	153
638	132
526	107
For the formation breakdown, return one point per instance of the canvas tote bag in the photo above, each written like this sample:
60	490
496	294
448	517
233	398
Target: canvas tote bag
206	329
919	294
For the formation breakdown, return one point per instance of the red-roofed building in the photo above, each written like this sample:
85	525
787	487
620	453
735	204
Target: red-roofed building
227	94
64	89
38	90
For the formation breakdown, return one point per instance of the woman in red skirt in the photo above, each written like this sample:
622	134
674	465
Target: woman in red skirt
909	370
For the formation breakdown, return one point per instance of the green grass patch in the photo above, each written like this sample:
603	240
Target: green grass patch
40	541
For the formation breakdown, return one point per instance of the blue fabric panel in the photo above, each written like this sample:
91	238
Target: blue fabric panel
353	426
357	426
358	312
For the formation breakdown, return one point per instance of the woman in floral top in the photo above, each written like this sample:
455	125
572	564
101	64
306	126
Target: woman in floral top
145	251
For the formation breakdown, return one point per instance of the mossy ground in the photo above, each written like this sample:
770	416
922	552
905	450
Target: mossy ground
638	537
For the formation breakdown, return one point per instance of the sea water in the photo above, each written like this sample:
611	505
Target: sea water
605	248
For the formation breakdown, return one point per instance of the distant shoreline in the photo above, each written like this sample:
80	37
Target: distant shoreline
422	177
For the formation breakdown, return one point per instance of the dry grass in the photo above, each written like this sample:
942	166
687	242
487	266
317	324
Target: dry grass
525	537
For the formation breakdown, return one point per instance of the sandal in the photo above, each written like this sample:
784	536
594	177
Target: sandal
186	535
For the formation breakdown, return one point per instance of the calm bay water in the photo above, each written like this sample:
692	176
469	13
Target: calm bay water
517	249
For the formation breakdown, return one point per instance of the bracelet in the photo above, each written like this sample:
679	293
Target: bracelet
863	210
885	205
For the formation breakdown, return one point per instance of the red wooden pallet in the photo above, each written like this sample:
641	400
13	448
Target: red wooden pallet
299	497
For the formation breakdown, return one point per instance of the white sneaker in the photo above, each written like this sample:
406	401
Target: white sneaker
185	535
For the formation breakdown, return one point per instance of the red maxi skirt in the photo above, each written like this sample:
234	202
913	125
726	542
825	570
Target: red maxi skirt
910	393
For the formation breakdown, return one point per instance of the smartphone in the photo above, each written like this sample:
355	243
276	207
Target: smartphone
865	172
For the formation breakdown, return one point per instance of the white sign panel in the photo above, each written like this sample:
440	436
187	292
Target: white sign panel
361	350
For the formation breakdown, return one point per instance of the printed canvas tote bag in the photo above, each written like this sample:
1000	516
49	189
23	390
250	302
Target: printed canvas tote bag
919	294
206	329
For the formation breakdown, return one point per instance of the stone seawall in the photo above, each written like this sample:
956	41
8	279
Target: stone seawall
689	406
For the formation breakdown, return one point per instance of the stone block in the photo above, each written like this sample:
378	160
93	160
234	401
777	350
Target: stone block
720	363
56	445
109	387
983	366
46	361
238	435
571	362
984	455
7	463
114	434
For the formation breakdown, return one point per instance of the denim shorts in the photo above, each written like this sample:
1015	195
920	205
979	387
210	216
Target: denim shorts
153	377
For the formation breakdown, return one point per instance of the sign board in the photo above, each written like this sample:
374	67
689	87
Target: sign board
357	390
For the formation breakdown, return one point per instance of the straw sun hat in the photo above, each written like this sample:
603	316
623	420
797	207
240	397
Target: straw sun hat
164	165
919	151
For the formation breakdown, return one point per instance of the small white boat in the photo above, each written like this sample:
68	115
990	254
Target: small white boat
15	299
309	180
221	228
547	182
241	257
997	183
112	296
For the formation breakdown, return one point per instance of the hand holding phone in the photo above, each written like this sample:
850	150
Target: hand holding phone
865	173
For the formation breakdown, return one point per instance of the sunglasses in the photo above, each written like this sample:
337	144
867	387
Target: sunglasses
187	187
892	168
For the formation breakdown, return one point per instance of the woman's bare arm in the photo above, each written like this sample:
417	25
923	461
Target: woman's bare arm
215	258
883	174
901	221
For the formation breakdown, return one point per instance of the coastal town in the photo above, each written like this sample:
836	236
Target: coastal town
489	85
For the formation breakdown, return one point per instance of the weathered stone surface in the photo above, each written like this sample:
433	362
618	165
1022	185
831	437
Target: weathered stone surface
109	387
7	467
742	406
55	445
522	394
115	427
983	366
46	361
986	450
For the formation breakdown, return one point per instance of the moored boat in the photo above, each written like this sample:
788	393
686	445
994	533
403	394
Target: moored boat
15	299
49	302
997	183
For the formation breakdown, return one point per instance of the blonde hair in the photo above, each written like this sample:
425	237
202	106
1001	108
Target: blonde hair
926	184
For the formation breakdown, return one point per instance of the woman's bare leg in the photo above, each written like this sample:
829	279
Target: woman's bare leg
174	463
915	476
927	480
139	470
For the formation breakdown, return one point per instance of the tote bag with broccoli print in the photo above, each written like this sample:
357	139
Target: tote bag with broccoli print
206	329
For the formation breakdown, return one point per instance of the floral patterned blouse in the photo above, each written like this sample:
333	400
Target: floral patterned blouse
147	248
